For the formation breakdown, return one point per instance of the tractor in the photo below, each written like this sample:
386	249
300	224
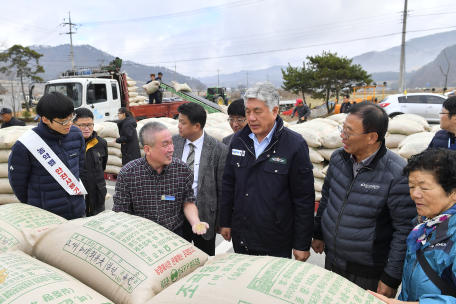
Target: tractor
217	95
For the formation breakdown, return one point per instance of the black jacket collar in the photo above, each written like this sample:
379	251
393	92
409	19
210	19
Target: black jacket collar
381	152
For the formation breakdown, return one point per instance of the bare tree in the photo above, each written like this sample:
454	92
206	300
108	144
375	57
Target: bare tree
242	88
448	70
200	87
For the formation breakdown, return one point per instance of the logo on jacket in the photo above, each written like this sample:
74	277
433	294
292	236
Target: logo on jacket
278	160
370	186
238	152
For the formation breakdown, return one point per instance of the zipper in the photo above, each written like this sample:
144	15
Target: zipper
342	210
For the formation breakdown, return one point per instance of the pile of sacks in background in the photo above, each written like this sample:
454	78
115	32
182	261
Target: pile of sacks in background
181	87
134	98
407	135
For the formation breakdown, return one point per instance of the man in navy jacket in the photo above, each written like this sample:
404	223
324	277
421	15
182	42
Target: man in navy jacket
445	138
31	182
268	196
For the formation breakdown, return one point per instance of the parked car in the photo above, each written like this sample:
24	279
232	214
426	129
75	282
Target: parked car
427	105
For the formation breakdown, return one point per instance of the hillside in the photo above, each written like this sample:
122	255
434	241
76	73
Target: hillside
57	59
430	73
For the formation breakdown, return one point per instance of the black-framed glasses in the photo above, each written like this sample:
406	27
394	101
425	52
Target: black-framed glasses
346	134
65	122
238	121
85	126
441	113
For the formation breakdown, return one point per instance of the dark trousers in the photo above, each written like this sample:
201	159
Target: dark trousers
154	96
208	246
244	250
363	282
178	231
301	121
159	97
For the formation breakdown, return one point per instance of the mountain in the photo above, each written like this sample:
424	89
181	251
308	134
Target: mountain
431	73
274	74
419	51
57	59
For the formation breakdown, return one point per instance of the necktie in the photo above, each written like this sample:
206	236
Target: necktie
191	157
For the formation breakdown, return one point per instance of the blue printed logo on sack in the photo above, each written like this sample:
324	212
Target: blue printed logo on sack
370	186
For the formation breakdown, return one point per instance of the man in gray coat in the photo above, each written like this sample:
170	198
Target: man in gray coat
206	157
365	212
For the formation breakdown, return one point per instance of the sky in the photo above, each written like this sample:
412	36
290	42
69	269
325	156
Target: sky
202	37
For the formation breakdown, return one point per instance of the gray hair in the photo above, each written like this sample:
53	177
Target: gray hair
147	133
264	91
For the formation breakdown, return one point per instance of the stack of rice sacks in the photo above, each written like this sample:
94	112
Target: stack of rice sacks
133	96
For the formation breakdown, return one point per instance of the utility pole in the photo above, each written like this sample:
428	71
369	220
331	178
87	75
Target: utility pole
175	72
102	60
218	78
71	38
402	84
247	79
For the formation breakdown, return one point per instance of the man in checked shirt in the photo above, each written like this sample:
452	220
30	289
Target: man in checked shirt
158	186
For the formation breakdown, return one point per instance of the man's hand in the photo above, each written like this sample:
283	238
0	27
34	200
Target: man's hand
301	255
386	290
201	229
388	300
303	118
318	246
226	233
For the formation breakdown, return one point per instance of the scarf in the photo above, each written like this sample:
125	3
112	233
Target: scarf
419	235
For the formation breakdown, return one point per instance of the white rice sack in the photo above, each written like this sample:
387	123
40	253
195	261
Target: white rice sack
9	136
326	153
217	133
111	143
4	155
132	104
3	169
395	150
181	87
112	169
174	130
110	130
141	98
132	94
315	157
151	87
126	258
168	120
224	126
114	151
318	170
210	123
317	126
143	153
8	199
325	169
14	216
326	121
317	196
98	127
332	140
129	78
114	160
24	279
131	83
318	183
142	103
220	117
312	137
108	196
133	100
393	140
415	144
132	89
435	128
5	187
223	109
416	118
405	127
338	117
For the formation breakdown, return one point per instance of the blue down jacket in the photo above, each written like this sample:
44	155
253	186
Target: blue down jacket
32	183
440	253
441	140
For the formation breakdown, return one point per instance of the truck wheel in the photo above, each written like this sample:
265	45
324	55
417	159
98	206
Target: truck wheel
220	101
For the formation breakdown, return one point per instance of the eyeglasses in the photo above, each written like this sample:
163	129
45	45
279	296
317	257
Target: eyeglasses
90	126
238	121
346	134
65	122
441	114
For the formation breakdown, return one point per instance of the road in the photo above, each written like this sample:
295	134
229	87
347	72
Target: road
222	246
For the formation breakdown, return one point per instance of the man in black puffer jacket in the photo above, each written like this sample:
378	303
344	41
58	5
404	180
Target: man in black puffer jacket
366	212
445	138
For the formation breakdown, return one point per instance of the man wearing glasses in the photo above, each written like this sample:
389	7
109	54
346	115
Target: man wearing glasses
365	212
237	119
445	138
44	166
96	157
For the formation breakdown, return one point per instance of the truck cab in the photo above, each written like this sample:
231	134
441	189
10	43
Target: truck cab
101	96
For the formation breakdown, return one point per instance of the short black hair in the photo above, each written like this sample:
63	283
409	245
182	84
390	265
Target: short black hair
373	116
55	105
346	95
237	108
450	105
82	113
195	113
440	162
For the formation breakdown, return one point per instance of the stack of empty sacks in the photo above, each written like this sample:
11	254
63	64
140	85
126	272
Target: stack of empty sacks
408	134
133	96
323	138
8	137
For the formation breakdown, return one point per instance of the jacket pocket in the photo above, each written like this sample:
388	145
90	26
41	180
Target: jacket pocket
306	167
101	193
276	168
239	161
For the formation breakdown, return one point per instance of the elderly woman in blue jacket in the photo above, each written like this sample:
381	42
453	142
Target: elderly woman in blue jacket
432	182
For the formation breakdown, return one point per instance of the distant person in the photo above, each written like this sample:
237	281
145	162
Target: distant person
345	106
445	138
96	157
54	146
128	136
237	119
302	109
154	95
160	89
8	119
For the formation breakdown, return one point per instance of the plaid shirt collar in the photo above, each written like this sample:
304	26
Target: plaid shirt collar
151	171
